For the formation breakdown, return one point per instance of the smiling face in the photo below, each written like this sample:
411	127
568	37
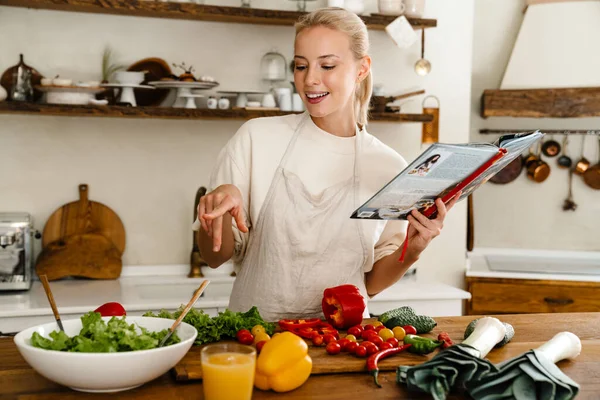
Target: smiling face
326	72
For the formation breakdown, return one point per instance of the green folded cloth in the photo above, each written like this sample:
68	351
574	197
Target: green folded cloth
529	376
449	369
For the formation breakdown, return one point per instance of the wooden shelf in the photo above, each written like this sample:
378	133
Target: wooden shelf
170	113
191	11
541	103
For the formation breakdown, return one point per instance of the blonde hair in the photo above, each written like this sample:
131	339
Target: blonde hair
349	23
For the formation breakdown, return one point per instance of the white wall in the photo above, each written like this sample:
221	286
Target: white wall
148	170
524	214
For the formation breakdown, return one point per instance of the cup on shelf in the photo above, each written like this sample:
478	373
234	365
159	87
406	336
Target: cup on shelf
211	103
284	98
297	104
223	103
268	101
414	8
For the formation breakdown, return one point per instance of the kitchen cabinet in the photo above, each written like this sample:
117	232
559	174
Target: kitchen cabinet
522	296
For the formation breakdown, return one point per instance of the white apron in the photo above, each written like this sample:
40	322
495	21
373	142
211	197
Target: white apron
301	244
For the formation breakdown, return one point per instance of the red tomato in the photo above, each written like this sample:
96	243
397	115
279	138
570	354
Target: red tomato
372	350
343	343
369	327
410	330
317	340
351	347
367	335
392	341
314	334
260	345
328	338
377	341
111	309
378	328
333	348
385	346
245	337
361	351
355	330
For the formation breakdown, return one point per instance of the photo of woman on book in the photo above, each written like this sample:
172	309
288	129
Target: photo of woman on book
425	166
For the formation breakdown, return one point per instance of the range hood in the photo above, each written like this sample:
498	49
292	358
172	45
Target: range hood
554	67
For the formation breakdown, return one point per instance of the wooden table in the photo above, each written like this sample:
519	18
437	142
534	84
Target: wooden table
19	381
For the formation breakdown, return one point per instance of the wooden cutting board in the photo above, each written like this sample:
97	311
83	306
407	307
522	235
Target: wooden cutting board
82	238
190	367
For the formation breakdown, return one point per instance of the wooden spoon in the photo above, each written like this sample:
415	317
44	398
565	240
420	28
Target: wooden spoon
187	308
46	286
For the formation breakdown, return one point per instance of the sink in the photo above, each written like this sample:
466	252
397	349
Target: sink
181	290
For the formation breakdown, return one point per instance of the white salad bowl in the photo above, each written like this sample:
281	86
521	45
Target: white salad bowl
105	372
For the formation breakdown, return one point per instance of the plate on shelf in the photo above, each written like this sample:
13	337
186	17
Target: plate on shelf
72	89
156	69
126	85
183	85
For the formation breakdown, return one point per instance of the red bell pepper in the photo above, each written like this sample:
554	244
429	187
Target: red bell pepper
310	327
343	306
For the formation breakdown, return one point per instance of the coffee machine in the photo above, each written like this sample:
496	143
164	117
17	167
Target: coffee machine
16	251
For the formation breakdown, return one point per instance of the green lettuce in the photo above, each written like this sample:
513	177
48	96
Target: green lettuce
223	326
98	336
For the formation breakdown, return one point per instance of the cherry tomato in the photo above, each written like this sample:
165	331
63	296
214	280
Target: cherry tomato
314	334
245	337
377	341
333	348
343	343
317	340
257	329
366	335
366	343
112	309
351	347
260	337
386	334
328	338
393	342
377	323
379	328
361	351
385	346
260	345
399	332
355	330
351	338
410	330
369	327
372	350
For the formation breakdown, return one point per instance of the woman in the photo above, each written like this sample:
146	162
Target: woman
285	187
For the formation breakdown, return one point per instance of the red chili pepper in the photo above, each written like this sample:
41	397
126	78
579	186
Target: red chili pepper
445	338
343	306
373	359
289	324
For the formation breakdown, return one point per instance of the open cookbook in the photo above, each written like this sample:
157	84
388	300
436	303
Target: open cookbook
441	171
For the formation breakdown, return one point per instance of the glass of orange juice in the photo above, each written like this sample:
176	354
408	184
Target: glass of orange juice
228	371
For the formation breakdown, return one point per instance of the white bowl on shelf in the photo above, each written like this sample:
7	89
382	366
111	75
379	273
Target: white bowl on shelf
105	372
129	77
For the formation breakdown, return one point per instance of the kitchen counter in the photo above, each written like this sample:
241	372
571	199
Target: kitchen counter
559	265
142	289
18	380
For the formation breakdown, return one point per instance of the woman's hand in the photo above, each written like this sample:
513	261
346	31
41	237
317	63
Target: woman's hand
422	230
224	199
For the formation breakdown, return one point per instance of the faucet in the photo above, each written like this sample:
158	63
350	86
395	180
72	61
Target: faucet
196	260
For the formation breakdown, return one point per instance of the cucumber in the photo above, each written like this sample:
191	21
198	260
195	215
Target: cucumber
396	312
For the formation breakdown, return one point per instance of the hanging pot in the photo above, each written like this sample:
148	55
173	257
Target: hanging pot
592	175
583	164
510	172
538	170
565	161
551	148
431	130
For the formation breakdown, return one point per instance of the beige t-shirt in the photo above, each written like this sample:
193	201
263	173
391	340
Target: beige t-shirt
319	159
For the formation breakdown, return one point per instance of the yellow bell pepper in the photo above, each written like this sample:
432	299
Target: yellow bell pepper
283	363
